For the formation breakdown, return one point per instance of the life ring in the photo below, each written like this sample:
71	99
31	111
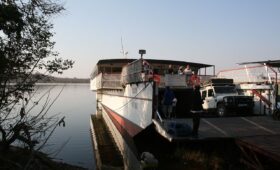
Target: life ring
156	78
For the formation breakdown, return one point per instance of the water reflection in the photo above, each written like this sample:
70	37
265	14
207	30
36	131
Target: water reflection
72	142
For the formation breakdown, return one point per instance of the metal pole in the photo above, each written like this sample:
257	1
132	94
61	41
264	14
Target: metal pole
247	72
276	91
275	85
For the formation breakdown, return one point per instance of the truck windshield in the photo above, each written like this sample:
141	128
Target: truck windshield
227	89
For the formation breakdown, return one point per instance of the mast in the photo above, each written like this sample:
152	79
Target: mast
124	53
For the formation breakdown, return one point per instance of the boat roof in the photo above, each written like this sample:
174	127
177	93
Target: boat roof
155	61
272	63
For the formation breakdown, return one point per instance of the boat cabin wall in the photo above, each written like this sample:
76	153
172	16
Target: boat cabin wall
107	69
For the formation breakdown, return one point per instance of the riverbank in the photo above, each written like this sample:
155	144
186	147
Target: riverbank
17	158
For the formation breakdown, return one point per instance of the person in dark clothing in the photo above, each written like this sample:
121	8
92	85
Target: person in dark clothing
170	69
167	101
196	109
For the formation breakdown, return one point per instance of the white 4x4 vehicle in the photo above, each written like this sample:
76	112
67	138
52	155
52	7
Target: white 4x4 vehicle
221	96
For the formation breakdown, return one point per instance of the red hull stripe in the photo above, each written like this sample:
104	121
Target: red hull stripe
138	98
129	126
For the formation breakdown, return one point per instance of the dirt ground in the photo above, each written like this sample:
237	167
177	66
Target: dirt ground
18	159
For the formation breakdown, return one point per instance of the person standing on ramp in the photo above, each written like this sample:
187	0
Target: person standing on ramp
196	109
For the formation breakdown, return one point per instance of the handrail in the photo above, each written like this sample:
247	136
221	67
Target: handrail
262	98
161	120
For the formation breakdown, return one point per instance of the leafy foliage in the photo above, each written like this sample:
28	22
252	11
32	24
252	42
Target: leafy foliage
26	48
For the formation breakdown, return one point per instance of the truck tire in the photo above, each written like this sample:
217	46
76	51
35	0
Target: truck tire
250	112
221	110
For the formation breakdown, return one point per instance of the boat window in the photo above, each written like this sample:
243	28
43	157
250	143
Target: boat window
210	93
116	69
225	89
106	69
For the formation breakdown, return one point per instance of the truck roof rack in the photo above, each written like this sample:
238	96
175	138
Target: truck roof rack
218	81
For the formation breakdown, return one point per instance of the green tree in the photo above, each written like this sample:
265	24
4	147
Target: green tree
26	48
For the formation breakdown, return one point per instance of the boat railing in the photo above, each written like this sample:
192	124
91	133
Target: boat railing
184	81
172	80
138	71
108	81
175	80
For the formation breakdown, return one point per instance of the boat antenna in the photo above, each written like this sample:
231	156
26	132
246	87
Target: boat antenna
124	53
141	52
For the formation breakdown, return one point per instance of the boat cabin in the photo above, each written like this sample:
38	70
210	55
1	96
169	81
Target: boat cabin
125	71
115	74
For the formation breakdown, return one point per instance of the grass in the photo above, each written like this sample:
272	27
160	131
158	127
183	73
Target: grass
202	155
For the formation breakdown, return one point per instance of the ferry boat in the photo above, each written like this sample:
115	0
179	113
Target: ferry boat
259	79
129	94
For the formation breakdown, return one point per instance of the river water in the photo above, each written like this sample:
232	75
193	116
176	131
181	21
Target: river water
71	144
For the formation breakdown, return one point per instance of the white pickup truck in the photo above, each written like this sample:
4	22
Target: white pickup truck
220	96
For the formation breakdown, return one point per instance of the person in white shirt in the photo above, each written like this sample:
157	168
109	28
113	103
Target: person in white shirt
188	70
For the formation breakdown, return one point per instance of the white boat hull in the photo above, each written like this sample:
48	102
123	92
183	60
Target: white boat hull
132	109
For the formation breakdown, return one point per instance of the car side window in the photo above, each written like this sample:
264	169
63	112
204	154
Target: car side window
210	93
203	95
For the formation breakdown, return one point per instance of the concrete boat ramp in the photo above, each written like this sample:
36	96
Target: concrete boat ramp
256	136
237	127
226	127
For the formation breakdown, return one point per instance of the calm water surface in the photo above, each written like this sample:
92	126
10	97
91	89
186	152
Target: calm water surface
72	142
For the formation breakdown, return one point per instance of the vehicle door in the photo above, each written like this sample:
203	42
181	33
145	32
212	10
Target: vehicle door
209	101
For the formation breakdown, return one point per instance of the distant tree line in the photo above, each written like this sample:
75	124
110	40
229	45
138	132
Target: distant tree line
52	79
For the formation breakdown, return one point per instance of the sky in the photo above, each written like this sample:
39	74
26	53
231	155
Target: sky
218	32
